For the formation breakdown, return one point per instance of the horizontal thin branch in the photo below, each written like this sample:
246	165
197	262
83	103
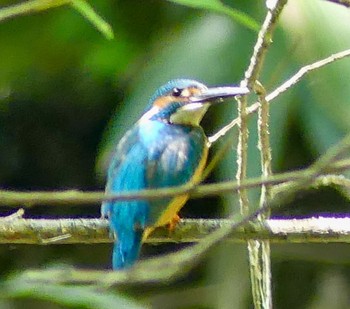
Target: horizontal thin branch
90	231
75	197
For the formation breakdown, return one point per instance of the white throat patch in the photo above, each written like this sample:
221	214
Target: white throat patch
190	114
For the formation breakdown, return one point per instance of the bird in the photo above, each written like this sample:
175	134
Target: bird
166	147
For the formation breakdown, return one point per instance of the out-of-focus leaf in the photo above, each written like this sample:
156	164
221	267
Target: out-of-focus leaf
28	7
110	58
325	107
39	5
88	12
218	7
72	296
325	110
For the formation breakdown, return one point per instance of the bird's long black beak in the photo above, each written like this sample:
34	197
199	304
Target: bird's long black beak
217	93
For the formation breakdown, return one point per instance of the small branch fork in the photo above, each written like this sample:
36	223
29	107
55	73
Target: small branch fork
283	88
259	251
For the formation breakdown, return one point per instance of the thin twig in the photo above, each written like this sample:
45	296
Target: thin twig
282	88
346	3
74	197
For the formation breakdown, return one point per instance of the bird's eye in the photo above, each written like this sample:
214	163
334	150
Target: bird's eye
177	92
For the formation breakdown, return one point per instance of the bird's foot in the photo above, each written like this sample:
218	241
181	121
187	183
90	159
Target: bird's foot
174	221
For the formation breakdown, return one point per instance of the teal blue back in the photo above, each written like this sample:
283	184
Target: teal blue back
152	154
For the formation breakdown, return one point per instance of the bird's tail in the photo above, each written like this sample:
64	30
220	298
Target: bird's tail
126	249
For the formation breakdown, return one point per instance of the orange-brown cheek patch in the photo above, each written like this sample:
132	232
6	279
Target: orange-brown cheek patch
162	101
166	100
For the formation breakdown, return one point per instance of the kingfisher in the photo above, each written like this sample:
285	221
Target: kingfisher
165	148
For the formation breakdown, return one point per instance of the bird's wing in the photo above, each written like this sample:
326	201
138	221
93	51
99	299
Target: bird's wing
180	160
157	158
171	160
127	219
126	173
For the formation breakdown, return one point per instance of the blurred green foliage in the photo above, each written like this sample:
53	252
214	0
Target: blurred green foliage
67	94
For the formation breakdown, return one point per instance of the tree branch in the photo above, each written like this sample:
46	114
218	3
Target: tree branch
282	88
92	231
259	252
176	264
74	197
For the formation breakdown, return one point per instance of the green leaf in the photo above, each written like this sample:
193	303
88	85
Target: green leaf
88	12
29	7
40	5
217	6
325	112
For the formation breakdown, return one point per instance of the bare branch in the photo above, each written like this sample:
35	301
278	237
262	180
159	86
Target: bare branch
74	197
284	87
92	231
261	249
259	252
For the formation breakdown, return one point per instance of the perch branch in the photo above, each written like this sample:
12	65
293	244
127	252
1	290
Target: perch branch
177	264
92	231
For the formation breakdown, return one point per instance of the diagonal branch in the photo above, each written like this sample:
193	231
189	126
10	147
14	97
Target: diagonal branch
29	7
284	87
346	3
294	231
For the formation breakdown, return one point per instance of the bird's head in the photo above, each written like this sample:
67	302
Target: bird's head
185	101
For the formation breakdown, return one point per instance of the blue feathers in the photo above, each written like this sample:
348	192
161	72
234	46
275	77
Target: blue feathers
127	249
170	85
165	148
152	154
